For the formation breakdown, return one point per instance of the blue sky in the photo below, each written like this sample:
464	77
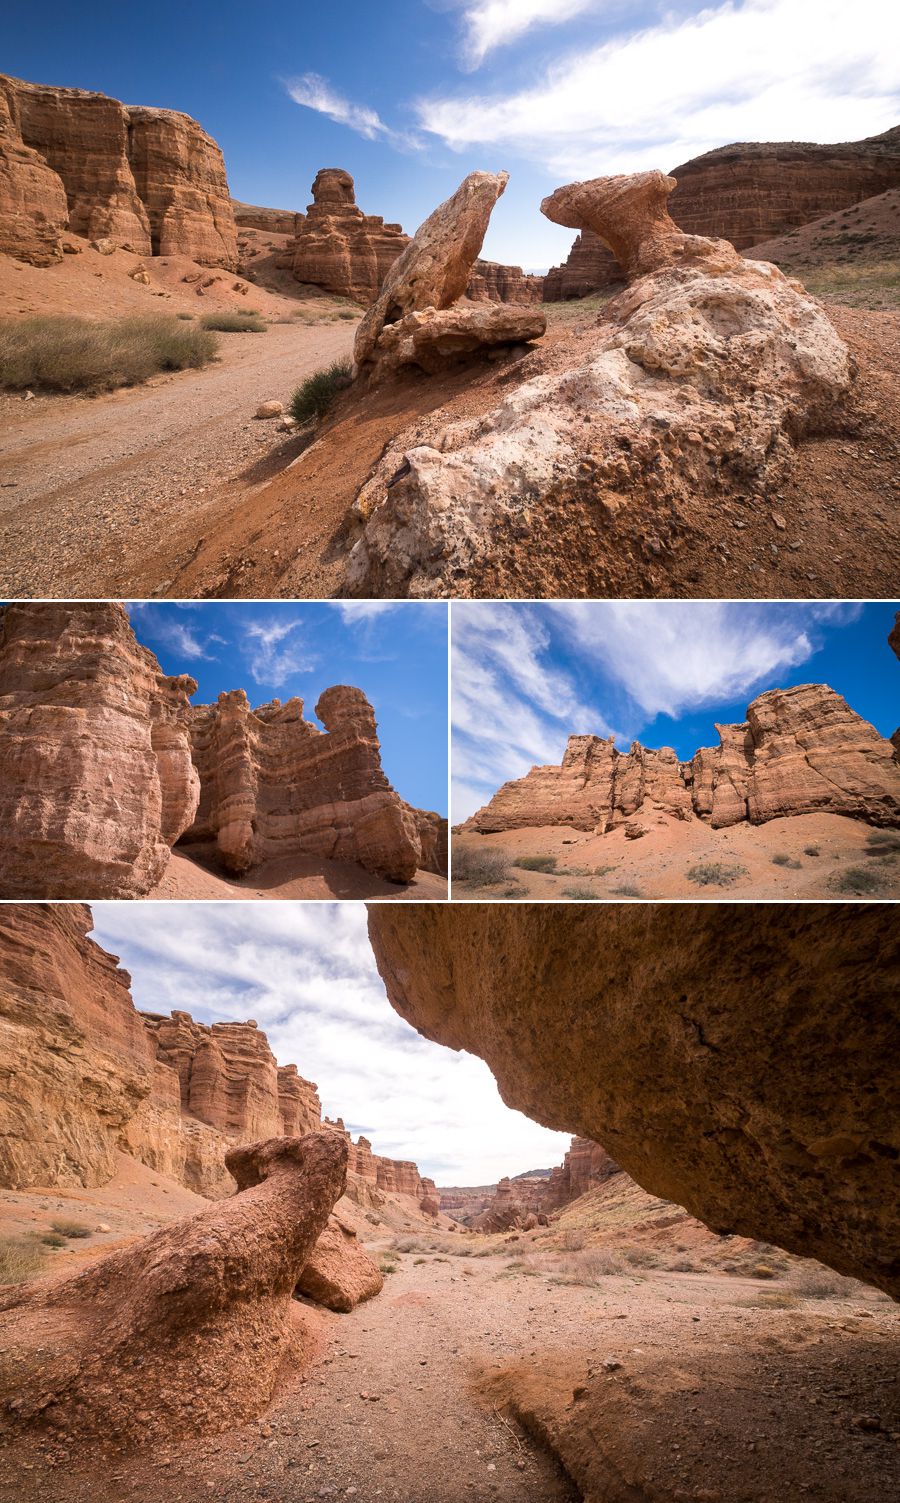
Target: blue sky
410	95
306	973
395	652
526	676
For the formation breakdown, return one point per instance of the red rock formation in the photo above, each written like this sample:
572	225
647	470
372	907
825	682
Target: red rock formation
390	1176
800	750
96	780
150	181
339	1273
492	282
274	784
585	1165
137	1345
747	193
272	221
338	247
528	1199
730	1056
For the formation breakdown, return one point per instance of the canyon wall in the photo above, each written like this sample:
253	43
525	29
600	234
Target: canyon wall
731	1057
85	1076
255	217
747	193
529	1199
96	777
150	181
800	750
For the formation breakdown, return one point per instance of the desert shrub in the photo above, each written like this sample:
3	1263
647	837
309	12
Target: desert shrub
406	1244
860	881
627	891
681	1265
348	313
67	1228
243	322
771	1300
536	863
53	1239
579	894
574	1240
715	874
820	1283
763	1271
419	1260
882	843
514	891
810	850
590	1265
185	317
641	1257
602	871
782	860
479	867
62	353
19	1260
316	394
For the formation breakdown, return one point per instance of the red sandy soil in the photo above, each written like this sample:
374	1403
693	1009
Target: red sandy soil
172	488
656	865
728	1388
192	874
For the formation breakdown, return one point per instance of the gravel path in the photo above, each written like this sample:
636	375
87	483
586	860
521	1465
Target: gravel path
88	486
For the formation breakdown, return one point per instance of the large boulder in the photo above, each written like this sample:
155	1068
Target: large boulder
732	1059
187	1330
339	1273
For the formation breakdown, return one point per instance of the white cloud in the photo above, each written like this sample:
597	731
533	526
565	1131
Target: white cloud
495	23
158	623
306	973
762	70
267	660
314	92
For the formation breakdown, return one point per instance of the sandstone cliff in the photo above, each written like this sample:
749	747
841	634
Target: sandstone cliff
151	181
491	281
96	779
255	217
800	750
338	247
730	1057
528	1199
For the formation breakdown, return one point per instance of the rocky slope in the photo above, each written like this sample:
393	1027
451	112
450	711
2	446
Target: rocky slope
748	193
528	1199
105	765
731	1058
800	750
148	180
84	1075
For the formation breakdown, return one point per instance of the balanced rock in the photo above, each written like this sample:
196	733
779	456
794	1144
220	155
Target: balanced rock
150	181
414	315
339	248
96	777
339	1273
730	1058
702	373
137	1344
800	751
273	784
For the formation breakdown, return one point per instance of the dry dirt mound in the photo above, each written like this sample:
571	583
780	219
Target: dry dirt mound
868	231
190	876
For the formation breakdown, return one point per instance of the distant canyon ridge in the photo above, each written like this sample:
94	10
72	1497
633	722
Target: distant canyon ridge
152	181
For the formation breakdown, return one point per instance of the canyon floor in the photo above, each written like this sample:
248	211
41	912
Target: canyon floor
824	856
677	1381
173	488
196	876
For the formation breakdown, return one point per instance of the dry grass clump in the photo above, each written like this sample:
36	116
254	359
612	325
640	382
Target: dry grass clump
244	322
579	894
318	392
859	882
883	844
811	1281
810	850
589	1266
62	353
626	891
780	859
19	1260
715	874
536	863
480	868
67	1228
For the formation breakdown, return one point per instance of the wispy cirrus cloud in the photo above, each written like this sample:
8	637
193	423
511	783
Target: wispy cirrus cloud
274	651
489	24
653	97
314	92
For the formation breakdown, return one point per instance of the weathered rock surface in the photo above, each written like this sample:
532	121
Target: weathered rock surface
730	1058
96	779
413	321
138	1344
747	193
527	1200
801	750
491	281
256	217
273	784
151	181
701	375
338	247
339	1273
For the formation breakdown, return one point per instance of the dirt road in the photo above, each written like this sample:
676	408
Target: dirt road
88	487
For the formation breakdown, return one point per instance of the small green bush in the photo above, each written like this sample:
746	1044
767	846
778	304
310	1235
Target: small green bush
61	353
53	1239
859	881
782	860
67	1228
234	323
715	874
479	868
19	1260
536	863
317	393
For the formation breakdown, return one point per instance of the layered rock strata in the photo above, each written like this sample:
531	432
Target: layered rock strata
273	784
389	1176
800	751
491	281
255	217
339	248
701	376
641	1028
137	1345
150	181
527	1200
96	777
417	318
747	193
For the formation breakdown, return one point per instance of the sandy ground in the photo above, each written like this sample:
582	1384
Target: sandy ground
656	865
190	876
